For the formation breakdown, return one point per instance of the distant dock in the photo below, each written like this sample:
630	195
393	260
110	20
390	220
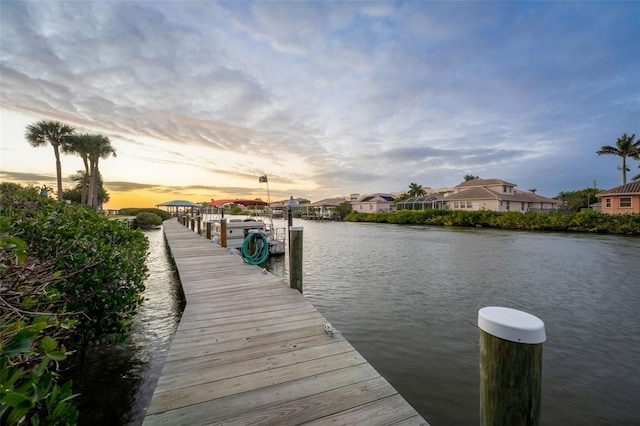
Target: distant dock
250	350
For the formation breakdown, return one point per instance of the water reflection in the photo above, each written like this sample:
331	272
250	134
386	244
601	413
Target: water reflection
407	298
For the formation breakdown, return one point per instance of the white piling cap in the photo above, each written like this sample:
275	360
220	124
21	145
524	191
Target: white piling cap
296	228
512	325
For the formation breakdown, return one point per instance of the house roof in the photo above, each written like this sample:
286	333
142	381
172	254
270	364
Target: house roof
179	203
218	203
479	193
628	189
484	182
532	198
285	203
328	202
376	197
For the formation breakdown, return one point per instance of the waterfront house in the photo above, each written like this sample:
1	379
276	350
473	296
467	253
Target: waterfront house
373	203
495	194
621	199
324	208
279	208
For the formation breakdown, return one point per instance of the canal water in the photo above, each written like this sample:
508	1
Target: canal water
407	298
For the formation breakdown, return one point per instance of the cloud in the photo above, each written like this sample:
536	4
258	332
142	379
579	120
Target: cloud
341	97
32	178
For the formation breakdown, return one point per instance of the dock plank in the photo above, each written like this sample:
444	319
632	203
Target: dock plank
251	350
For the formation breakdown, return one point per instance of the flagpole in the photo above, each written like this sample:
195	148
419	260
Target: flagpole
265	179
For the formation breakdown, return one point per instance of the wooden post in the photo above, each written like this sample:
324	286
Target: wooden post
223	233
510	367
193	223
289	225
295	257
199	225
208	231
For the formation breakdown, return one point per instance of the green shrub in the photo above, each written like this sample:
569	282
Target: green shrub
148	220
584	221
135	211
100	262
33	320
69	276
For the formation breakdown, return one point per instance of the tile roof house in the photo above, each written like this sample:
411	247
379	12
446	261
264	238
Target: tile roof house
495	194
324	208
621	199
373	203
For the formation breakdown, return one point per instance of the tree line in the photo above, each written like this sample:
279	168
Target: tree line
90	147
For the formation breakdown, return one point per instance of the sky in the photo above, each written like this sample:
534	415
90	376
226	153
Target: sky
327	99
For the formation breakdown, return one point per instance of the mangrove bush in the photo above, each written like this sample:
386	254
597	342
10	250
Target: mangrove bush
69	277
584	221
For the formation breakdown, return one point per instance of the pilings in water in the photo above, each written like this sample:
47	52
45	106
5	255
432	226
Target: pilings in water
295	257
510	367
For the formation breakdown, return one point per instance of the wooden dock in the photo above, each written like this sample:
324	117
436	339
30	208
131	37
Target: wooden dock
250	350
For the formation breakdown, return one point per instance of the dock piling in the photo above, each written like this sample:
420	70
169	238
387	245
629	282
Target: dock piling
510	366
223	233
295	257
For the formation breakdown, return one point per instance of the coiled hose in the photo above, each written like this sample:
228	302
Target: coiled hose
255	248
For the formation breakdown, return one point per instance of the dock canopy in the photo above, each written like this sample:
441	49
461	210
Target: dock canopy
218	203
176	206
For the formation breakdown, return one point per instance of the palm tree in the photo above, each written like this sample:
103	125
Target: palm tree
416	190
625	147
470	177
99	147
637	177
54	133
80	145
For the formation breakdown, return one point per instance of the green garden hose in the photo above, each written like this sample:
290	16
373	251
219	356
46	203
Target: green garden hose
255	248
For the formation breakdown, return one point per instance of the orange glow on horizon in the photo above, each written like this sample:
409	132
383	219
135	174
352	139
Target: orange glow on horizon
145	199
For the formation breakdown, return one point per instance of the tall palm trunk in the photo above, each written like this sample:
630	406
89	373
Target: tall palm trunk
95	178
85	181
58	171
93	193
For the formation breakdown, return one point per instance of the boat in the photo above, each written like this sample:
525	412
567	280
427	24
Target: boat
238	229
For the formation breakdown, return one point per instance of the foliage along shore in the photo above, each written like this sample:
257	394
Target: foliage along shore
584	221
69	278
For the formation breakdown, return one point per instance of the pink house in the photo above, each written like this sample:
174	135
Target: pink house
621	199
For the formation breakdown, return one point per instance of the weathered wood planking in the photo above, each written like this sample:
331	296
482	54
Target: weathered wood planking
250	350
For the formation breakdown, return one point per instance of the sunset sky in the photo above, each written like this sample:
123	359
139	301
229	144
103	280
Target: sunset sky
325	98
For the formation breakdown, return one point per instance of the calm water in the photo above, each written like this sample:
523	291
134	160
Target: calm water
408	297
